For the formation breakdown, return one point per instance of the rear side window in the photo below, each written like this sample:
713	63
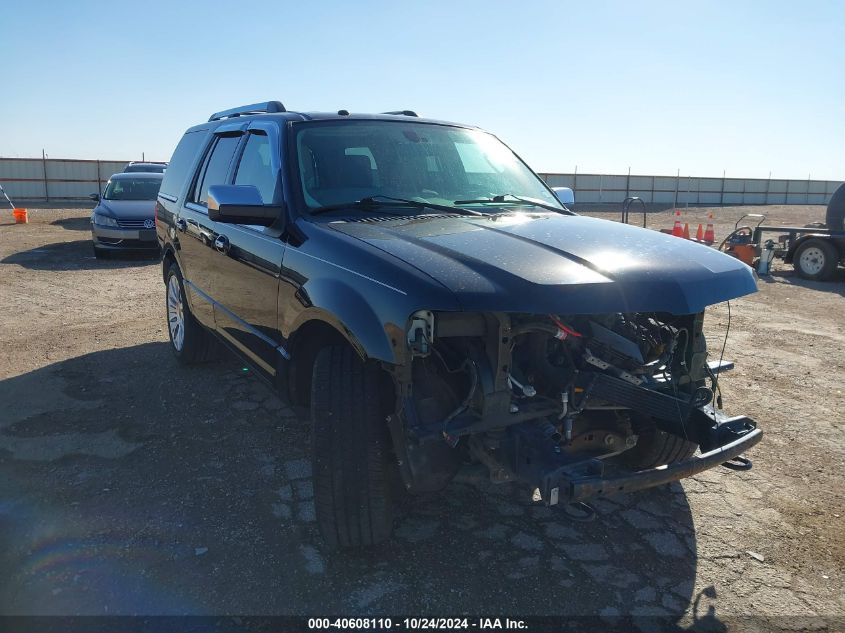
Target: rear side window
181	162
216	167
255	168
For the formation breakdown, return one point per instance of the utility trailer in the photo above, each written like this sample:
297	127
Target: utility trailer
814	250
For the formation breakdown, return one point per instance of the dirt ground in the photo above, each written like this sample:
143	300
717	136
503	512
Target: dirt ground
130	485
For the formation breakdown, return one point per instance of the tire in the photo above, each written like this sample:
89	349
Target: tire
193	344
657	448
815	259
354	472
101	253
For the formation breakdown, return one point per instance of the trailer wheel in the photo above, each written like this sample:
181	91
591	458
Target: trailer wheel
815	259
353	468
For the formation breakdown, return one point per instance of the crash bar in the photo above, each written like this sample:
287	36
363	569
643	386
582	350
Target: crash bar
587	487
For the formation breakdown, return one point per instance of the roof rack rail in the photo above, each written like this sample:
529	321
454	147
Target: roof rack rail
403	113
254	108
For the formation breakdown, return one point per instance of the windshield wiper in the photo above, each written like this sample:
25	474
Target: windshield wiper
501	199
373	202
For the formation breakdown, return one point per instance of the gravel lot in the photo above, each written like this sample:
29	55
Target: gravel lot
131	485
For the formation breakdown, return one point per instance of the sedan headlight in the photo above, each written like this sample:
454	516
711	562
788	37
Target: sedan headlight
104	220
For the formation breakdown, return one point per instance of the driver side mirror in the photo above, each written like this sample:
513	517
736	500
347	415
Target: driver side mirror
94	196
565	195
240	204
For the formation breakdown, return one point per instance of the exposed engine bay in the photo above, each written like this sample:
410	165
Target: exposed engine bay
547	399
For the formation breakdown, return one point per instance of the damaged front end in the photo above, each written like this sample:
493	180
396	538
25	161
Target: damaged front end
574	406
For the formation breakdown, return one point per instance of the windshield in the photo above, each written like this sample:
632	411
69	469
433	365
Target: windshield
132	189
340	163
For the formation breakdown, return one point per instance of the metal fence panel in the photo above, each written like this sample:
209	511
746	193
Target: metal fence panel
589	197
27	190
710	184
754	185
665	183
109	167
642	183
797	186
72	190
74	179
65	170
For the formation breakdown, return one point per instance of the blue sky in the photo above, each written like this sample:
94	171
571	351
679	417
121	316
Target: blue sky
748	87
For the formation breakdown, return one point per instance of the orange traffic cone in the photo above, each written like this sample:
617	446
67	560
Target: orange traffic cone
686	231
699	234
709	234
677	229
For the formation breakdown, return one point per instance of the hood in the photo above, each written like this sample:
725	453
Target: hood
555	263
128	209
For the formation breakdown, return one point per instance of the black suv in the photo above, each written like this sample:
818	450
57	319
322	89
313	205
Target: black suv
424	292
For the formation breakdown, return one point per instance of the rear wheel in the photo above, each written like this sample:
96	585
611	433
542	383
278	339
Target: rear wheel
354	471
815	259
190	342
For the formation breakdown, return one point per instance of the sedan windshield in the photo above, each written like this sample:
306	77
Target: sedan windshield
132	189
440	164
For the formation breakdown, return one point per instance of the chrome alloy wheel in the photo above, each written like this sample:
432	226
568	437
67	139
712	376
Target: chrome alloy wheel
175	313
812	260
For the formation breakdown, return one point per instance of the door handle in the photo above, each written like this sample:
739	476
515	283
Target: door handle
181	224
222	244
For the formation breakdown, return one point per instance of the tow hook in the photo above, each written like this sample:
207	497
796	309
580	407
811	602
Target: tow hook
740	462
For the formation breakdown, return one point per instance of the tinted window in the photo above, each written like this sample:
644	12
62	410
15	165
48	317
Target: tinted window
340	163
132	189
254	168
181	162
216	167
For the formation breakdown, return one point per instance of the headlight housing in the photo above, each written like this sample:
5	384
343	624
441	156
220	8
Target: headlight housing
104	220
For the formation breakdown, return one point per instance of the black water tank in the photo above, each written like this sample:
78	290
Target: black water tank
836	210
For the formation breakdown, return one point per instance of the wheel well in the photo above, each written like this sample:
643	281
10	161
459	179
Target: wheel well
310	338
167	259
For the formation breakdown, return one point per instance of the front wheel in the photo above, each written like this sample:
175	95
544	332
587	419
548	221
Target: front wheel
352	451
657	448
815	260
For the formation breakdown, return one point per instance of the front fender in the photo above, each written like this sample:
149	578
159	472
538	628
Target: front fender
348	311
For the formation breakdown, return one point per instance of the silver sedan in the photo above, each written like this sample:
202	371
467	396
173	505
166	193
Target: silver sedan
124	218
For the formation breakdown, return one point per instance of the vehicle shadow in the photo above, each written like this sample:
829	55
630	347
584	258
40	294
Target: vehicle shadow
74	224
834	284
75	255
131	483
